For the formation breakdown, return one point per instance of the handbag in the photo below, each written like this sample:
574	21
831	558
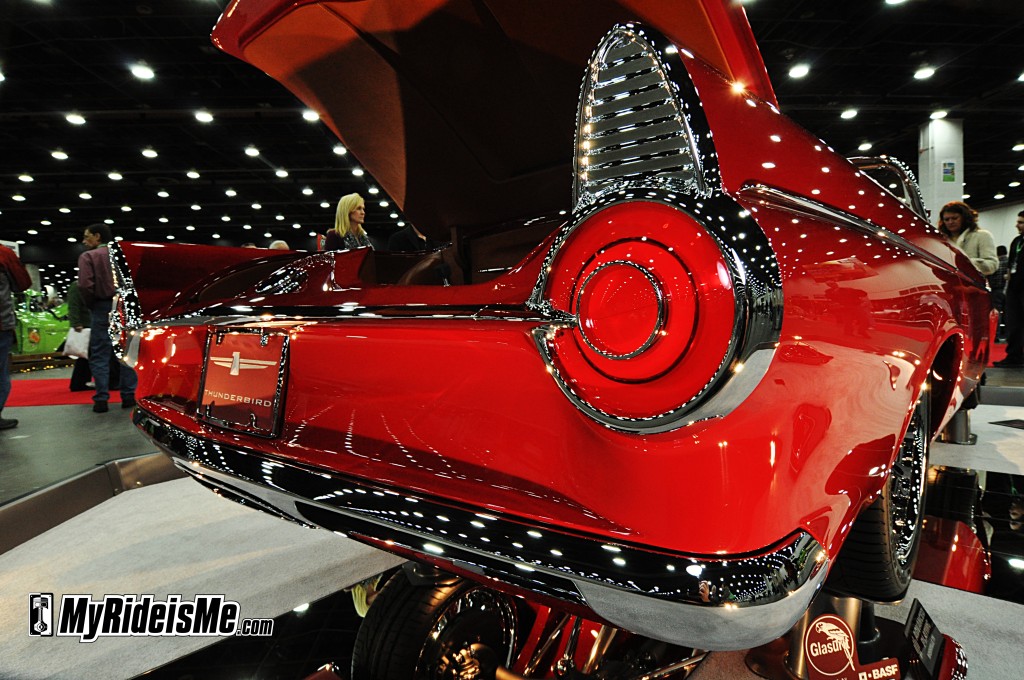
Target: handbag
77	343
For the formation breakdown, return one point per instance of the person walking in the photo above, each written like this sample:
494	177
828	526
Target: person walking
1013	303
96	284
14	278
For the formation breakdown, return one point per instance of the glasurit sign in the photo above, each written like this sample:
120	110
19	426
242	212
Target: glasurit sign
831	652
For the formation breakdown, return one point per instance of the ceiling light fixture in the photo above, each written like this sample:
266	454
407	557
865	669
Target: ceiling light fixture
374	190
230	192
799	71
162	220
149	152
190	228
17	197
340	150
848	114
75	118
162	194
311	115
1014	185
938	115
252	151
1018	147
214	235
85	195
64	210
32	232
256	206
126	208
142	71
924	73
59	155
196	206
281	172
325	204
116	176
864	146
25	177
358	172
999	197
306	191
204	116
895	2
192	174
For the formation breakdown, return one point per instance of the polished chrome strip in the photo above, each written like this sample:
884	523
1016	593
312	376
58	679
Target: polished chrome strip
712	602
807	207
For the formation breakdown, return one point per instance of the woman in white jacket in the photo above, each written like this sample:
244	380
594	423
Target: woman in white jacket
959	223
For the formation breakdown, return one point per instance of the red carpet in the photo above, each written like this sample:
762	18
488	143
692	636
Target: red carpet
49	392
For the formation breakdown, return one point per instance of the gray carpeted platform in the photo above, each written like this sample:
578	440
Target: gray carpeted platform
170	538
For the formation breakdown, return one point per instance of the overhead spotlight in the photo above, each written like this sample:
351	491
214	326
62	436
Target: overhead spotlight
383	204
252	151
32	232
116	176
25	177
140	229
895	2
142	71
374	190
2	77
340	150
190	228
247	226
1020	78
848	114
924	73
296	225
162	194
267	234
17	197
1014	185
162	220
256	206
72	239
358	172
170	237
59	154
85	195
108	221
306	191
999	197
196	206
126	208
279	218
311	115
938	115
192	174
1018	147
65	210
225	218
864	146
149	152
204	116
799	71
281	172
214	235
325	204
75	118
230	192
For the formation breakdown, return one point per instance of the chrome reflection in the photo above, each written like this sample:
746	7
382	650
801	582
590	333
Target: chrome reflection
755	593
126	315
639	119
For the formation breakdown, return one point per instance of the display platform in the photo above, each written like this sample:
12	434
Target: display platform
170	538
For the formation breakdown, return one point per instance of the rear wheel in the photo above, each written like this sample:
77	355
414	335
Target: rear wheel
877	560
415	632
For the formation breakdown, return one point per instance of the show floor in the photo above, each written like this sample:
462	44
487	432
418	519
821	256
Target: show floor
177	538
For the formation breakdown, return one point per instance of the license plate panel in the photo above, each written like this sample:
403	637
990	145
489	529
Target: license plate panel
244	376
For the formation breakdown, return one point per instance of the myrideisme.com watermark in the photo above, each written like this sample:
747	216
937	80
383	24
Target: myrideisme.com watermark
140	615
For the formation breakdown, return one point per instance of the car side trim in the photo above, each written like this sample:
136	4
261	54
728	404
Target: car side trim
711	602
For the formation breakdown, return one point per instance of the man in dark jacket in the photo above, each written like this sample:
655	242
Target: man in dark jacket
13	279
1014	302
96	284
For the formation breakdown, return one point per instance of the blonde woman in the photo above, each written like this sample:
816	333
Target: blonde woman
348	231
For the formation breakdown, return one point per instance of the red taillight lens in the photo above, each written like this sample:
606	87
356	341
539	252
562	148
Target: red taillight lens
654	305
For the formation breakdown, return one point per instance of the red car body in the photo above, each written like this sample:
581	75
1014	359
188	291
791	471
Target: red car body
673	403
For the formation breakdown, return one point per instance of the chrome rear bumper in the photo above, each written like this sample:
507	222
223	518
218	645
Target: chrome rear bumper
719	603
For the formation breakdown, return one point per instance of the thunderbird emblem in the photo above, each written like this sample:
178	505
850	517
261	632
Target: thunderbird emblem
235	362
